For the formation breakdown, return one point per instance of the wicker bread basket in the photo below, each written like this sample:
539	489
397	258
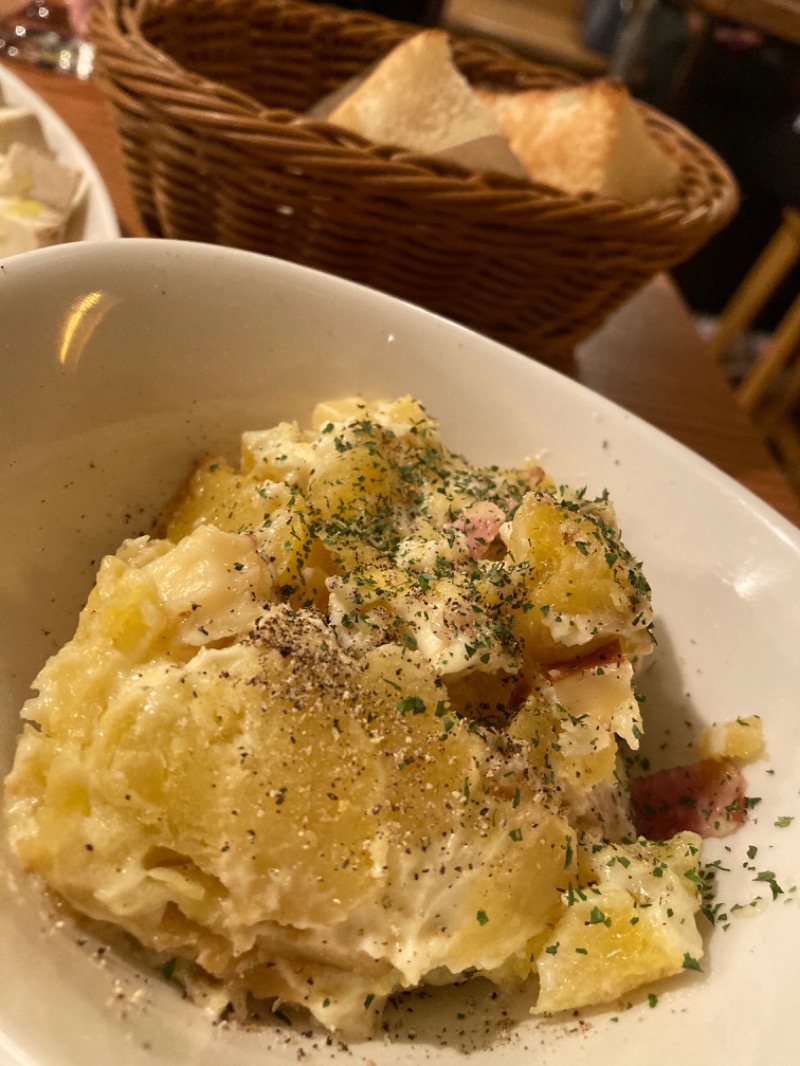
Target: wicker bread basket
209	97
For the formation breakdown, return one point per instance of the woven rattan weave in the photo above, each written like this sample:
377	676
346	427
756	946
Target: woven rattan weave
209	98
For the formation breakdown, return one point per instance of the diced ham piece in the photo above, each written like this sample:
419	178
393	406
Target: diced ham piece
706	797
481	523
609	655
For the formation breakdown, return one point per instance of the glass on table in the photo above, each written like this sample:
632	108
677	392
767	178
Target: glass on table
49	34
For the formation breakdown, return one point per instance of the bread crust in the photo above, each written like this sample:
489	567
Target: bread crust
588	138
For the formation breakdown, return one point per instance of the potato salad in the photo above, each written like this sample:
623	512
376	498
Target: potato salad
352	721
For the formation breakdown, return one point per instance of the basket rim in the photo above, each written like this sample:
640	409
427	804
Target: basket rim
192	99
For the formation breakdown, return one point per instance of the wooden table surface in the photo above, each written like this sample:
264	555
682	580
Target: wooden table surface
647	357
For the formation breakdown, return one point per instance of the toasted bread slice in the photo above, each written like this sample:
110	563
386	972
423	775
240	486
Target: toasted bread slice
587	138
417	99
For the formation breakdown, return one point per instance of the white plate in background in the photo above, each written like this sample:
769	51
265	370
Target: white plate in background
146	354
95	219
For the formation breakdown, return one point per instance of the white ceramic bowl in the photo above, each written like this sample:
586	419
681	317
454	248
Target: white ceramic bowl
122	362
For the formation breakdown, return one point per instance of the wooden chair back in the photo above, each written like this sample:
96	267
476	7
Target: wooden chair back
770	389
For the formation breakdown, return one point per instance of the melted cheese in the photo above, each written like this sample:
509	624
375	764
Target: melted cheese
321	740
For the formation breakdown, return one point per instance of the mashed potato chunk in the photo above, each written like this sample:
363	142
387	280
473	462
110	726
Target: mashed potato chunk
349	722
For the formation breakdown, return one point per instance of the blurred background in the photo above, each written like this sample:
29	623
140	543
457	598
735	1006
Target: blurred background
733	82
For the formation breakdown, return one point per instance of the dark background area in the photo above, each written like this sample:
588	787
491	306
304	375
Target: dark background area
744	101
